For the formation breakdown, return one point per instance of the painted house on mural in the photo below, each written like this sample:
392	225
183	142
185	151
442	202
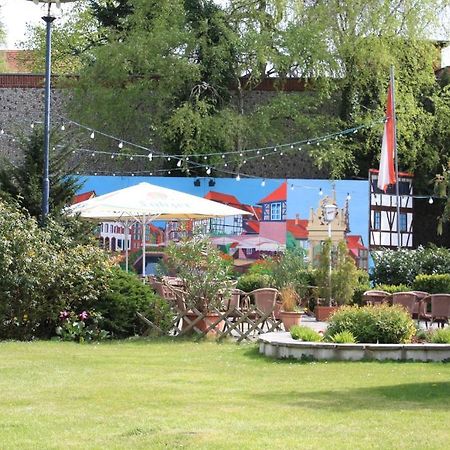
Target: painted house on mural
383	213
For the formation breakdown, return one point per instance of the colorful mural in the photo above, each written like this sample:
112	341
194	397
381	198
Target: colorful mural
284	214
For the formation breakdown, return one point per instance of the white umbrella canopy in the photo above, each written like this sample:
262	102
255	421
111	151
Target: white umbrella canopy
152	201
145	202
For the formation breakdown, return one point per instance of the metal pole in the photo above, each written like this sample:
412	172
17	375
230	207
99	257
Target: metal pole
329	264
126	244
48	19
143	248
397	190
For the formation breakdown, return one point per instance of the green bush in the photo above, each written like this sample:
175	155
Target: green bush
392	288
251	281
344	337
306	334
362	286
43	272
127	296
433	284
440	336
373	324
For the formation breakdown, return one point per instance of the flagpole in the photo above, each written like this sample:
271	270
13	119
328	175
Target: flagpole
397	190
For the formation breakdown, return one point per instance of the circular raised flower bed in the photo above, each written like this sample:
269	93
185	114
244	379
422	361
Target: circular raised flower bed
281	345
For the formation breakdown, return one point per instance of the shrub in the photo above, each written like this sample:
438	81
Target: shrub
82	327
289	298
440	336
306	334
373	324
205	274
392	288
344	337
395	267
362	286
433	284
127	296
250	282
43	272
261	267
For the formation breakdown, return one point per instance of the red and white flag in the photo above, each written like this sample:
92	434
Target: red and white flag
386	174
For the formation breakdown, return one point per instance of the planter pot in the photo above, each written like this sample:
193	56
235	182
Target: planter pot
204	324
323	313
290	318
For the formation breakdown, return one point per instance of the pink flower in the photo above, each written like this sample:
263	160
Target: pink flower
63	315
83	315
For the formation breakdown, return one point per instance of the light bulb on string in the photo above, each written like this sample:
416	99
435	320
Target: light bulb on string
320	192
238	177
223	156
95	173
241	154
205	158
63	127
150	156
308	143
262	157
258	152
32	125
92	154
187	158
355	131
169	172
292	187
169	158
179	163
73	152
430	200
121	144
131	158
225	165
349	197
244	162
208	170
317	143
112	156
114	174
292	147
274	149
299	148
2	131
92	135
132	174
263	183
281	153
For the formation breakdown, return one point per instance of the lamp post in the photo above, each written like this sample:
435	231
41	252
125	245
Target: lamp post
48	19
329	214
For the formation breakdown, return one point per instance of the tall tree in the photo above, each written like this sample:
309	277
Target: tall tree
23	182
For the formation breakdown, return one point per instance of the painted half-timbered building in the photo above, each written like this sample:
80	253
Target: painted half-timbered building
383	213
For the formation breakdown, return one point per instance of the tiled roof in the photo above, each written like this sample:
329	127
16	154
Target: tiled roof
251	226
355	242
278	195
82	197
298	228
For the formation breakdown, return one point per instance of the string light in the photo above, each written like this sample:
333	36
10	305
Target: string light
208	171
349	197
2	131
320	192
121	145
112	156
63	127
179	163
430	200
292	187
92	135
32	125
150	156
238	177
263	183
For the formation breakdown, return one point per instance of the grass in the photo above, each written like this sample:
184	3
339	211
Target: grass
165	394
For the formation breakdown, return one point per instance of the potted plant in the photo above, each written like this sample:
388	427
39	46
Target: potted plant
205	276
336	286
290	312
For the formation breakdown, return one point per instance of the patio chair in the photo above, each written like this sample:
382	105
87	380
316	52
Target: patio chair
408	300
265	301
375	297
420	308
440	309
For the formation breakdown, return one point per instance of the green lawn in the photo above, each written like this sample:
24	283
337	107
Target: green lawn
165	394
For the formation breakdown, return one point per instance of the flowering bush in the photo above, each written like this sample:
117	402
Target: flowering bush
43	271
82	327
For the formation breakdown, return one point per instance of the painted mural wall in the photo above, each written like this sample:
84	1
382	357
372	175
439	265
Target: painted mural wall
283	214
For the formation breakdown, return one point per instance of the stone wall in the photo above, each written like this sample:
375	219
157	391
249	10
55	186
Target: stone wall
22	103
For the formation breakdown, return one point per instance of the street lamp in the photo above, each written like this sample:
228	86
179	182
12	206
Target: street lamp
329	214
48	19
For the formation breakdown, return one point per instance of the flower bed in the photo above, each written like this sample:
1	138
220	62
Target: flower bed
281	345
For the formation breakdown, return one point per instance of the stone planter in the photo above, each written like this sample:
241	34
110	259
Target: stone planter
323	313
290	318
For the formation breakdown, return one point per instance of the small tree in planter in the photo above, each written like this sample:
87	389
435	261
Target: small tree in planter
290	312
205	274
338	289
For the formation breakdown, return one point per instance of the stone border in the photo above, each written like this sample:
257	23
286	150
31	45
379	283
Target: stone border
281	345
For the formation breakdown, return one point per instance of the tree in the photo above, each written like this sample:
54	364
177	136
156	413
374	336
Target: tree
23	182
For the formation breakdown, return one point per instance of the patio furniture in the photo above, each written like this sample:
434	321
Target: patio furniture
420	308
408	300
440	309
375	297
265	301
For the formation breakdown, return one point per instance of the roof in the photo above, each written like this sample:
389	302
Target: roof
255	210
298	228
82	197
354	242
227	199
278	195
251	226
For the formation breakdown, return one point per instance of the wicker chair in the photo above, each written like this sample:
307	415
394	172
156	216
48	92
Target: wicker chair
408	300
375	297
440	309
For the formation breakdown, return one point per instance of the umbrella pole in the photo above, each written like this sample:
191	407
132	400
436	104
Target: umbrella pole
126	244
143	247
